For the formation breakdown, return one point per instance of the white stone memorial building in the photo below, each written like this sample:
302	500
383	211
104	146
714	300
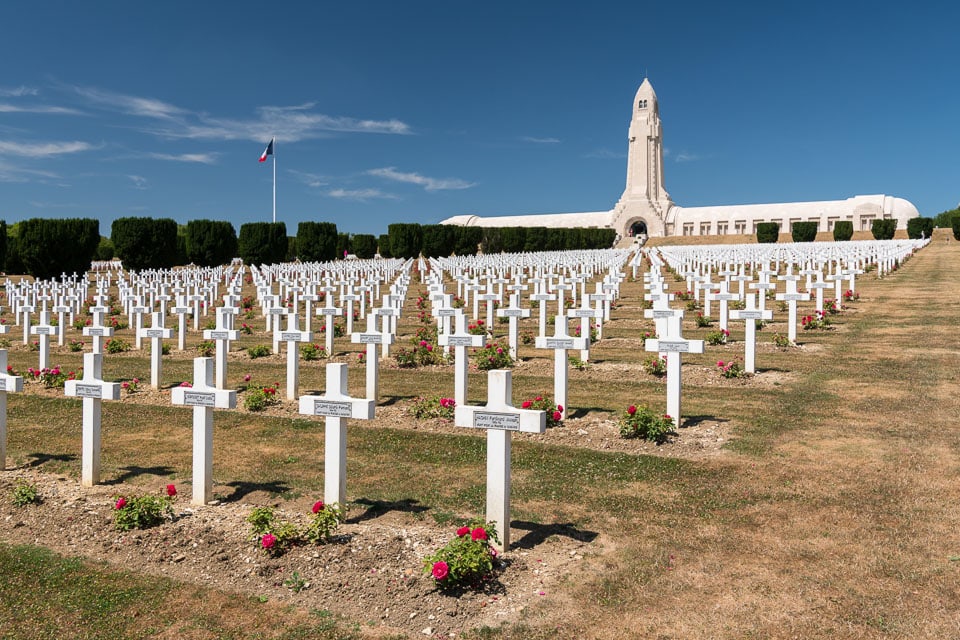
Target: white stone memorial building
645	208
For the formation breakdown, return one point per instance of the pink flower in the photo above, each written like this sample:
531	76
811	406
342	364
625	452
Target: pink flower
318	506
493	552
423	343
186	385
120	504
478	534
268	540
557	416
462	531
526	404
499	351
246	378
538	398
124	385
429	347
720	363
440	570
171	490
631	410
560	408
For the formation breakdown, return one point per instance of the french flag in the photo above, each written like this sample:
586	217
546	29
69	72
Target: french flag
268	151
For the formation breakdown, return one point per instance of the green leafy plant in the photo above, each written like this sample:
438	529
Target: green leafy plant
467	561
258	351
781	341
25	493
131	386
577	363
493	355
313	352
206	348
116	345
554	411
143	512
295	582
731	369
477	328
326	518
718	337
642	422
52	378
272	535
421	354
75	346
655	366
818	321
258	398
433	407
703	321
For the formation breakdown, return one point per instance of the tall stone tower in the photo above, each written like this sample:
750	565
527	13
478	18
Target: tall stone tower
645	202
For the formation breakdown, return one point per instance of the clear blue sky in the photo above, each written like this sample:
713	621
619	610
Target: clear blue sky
415	111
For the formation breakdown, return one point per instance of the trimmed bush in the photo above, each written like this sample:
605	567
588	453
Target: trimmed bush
944	220
316	241
48	248
491	242
263	242
768	232
210	243
364	245
919	227
145	243
383	246
467	240
956	228
104	250
804	231
406	238
344	248
843	230
438	240
883	229
513	239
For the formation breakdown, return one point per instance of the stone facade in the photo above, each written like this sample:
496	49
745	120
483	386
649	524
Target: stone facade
645	207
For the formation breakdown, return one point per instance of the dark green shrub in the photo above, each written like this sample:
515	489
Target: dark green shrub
344	248
383	246
536	239
210	243
883	229
768	232
48	248
467	240
3	242
956	228
263	242
843	230
919	227
406	239
438	240
104	250
944	220
364	245
316	241
804	231
145	243
491	241
513	239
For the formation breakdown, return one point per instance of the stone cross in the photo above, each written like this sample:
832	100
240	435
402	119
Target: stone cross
819	286
157	332
490	298
443	311
724	296
561	342
8	384
750	314
661	314
204	398
513	312
384	314
585	312
25	311
673	344
336	406
791	296
93	390
371	337
137	312
499	417
460	339
62	310
542	297
44	330
293	336
97	330
222	335
182	311
330	311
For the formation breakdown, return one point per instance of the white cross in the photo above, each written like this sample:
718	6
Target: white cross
26	310
561	342
293	336
500	418
541	298
791	297
44	329
97	330
513	313
371	337
724	296
819	286
93	390
137	312
336	406
585	312
181	311
222	336
61	310
460	339
203	397
673	344
157	332
750	315
330	311
8	384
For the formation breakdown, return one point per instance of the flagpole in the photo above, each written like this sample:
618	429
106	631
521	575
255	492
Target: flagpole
274	180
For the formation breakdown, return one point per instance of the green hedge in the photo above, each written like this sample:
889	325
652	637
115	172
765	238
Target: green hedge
145	243
316	241
919	227
364	245
768	232
210	243
383	246
263	242
883	229
438	240
842	230
956	228
944	220
804	231
48	248
406	239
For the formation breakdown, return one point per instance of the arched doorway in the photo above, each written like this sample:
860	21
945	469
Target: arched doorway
638	229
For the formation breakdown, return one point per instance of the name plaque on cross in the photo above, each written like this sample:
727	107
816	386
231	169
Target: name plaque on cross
218	335
675	346
507	313
371	338
447	312
555	343
793	296
491	420
96	331
154	333
44	331
459	341
583	313
662	313
750	315
387	311
597	297
199	399
332	408
89	390
290	336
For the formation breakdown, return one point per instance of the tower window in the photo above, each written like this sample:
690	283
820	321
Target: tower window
642	104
